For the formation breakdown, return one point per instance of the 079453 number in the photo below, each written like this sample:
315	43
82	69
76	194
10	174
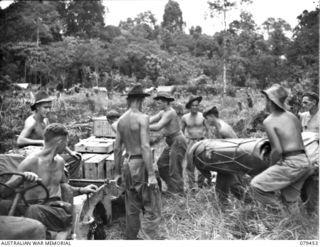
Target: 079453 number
308	242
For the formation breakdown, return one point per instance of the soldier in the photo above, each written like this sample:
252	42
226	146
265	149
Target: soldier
34	125
195	128
223	129
289	164
141	187
171	159
310	118
48	165
225	181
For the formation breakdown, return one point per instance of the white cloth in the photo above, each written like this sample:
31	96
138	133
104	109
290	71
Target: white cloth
310	124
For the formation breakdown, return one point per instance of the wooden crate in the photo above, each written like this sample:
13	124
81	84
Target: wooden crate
95	145
95	167
85	157
102	128
110	167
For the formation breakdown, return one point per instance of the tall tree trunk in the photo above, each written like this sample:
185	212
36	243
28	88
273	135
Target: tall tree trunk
224	54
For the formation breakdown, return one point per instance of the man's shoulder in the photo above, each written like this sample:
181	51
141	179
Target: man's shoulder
223	123
172	112
280	119
30	120
31	160
144	117
186	116
59	159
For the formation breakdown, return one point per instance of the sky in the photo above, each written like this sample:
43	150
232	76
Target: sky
196	12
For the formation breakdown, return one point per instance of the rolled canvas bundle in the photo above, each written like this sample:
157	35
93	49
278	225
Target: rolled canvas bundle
246	155
231	155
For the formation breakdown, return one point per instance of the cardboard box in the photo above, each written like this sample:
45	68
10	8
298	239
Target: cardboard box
95	167
95	145
102	128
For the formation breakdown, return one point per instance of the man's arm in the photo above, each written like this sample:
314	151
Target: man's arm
165	119
146	150
73	153
276	149
118	152
26	168
206	127
15	181
155	118
68	191
227	134
26	132
145	145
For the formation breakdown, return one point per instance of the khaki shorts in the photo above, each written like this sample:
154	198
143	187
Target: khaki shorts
284	173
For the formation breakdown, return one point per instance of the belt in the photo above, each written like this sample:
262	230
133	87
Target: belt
292	153
134	156
39	201
195	139
174	135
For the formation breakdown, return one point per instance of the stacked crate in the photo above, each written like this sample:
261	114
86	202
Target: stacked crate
97	151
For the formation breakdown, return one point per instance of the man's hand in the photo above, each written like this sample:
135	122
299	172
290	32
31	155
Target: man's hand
31	177
91	188
76	155
153	182
118	180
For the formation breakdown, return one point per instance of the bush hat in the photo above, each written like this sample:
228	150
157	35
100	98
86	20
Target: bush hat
137	91
40	97
192	99
163	96
277	94
210	110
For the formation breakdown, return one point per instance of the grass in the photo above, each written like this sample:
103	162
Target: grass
197	215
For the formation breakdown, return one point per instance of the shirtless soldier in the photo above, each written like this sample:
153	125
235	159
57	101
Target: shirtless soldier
223	130
55	214
289	165
32	133
195	128
142	192
225	181
170	161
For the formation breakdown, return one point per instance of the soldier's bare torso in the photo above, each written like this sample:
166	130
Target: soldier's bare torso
129	128
172	127
194	125
288	130
50	170
37	128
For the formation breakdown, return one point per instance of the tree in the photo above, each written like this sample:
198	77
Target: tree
83	16
221	7
276	28
303	53
172	17
146	18
30	21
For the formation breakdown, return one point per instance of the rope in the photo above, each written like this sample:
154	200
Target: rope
232	159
